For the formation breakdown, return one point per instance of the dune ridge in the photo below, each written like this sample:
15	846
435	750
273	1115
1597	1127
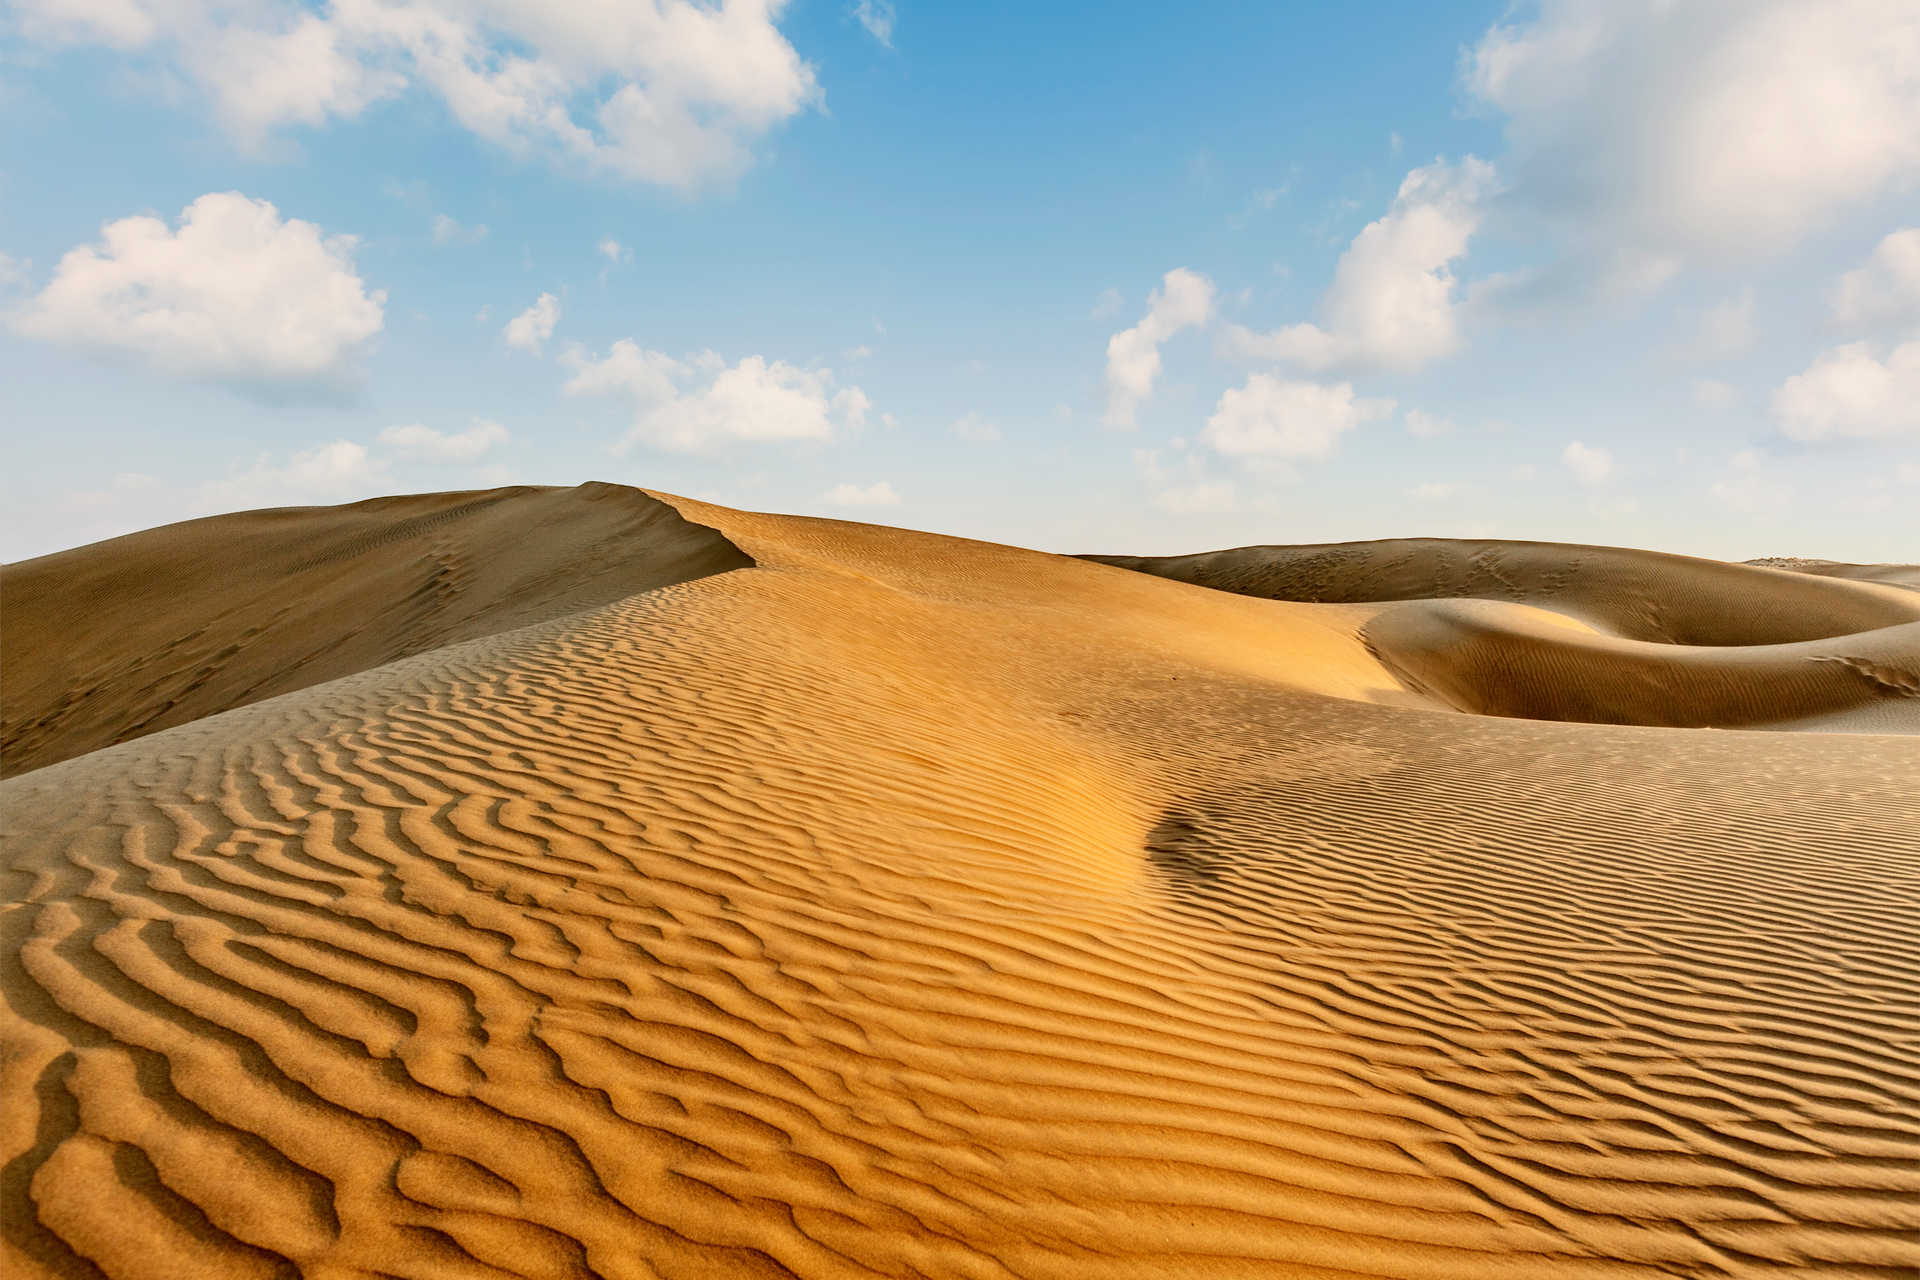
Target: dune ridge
1637	595
1604	634
902	906
217	613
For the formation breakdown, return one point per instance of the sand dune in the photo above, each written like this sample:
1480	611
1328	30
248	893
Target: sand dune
122	638
1603	634
1899	575
894	905
1638	595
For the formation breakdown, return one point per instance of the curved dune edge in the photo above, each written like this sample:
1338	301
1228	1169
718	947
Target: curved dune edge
1605	635
904	906
119	639
1511	660
1637	595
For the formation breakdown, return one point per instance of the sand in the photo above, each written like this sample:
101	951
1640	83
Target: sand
697	893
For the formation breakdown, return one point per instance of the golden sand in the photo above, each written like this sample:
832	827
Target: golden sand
561	883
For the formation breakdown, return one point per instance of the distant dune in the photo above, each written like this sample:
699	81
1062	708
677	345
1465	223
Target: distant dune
1899	575
1606	635
566	883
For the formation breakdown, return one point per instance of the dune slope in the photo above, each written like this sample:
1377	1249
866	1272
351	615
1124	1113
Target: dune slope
901	906
1604	634
1638	595
1898	575
111	641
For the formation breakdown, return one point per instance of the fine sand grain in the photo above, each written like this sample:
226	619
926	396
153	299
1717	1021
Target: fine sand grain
693	893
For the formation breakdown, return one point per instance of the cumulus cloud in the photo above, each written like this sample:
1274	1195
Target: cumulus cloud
1749	484
877	494
1183	489
1850	393
1591	465
1183	301
236	293
1711	129
698	404
1887	288
974	428
447	230
1726	328
1711	393
673	92
877	16
614	252
335	472
1391	304
428	445
1202	497
532	327
1273	418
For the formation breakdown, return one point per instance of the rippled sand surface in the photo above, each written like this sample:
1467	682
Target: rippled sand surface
663	890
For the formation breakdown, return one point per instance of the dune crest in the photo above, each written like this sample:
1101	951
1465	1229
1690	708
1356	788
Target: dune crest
896	905
1605	635
122	638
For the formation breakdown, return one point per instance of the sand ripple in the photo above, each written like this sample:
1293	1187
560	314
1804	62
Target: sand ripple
909	907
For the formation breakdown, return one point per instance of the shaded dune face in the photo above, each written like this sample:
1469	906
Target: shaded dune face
902	906
111	641
1637	595
1605	635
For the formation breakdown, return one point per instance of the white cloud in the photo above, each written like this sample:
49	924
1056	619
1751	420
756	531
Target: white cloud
850	405
1183	301
1850	393
1391	304
614	252
1726	328
975	429
1750	485
334	472
642	376
446	230
1211	497
1711	393
117	494
1591	465
1420	423
236	293
877	494
534	326
1718	129
1887	288
672	92
877	16
1185	490
701	403
426	444
1273	418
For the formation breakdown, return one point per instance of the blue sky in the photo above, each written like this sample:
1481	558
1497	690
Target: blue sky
1084	277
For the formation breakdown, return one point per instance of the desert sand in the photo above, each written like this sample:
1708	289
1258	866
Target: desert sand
589	882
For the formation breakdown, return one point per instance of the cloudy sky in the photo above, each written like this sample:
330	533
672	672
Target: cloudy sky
1108	277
